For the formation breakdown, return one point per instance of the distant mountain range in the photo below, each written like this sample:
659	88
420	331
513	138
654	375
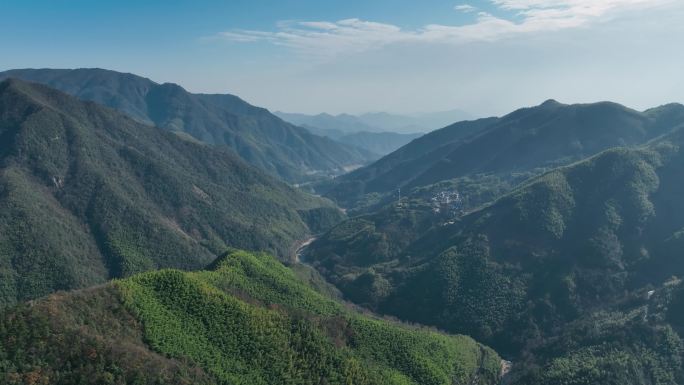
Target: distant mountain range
379	133
88	194
528	140
354	131
258	136
375	122
380	143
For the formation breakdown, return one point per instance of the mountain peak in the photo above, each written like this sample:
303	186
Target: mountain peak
669	107
551	103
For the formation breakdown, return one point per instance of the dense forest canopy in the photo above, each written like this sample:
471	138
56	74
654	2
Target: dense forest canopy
88	194
553	234
256	135
593	243
249	320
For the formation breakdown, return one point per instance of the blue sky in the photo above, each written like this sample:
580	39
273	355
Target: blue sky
486	57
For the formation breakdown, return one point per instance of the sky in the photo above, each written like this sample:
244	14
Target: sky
486	57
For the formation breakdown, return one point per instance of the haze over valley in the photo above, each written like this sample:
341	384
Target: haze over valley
302	192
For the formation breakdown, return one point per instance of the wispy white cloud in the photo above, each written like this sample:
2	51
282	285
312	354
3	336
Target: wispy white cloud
559	14
466	8
325	38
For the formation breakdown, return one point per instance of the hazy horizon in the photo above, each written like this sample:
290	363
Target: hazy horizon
483	57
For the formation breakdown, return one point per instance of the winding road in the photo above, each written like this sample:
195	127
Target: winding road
301	247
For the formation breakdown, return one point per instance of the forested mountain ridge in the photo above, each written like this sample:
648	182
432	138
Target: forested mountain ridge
527	141
582	245
343	123
258	136
247	320
574	273
87	193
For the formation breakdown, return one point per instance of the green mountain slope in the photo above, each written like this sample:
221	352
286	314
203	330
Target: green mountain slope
527	141
638	341
87	193
259	137
577	246
248	320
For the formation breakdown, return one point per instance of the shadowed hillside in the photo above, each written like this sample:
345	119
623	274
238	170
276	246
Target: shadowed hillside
87	194
577	246
527	141
259	137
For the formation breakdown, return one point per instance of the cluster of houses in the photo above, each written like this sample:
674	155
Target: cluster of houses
447	202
